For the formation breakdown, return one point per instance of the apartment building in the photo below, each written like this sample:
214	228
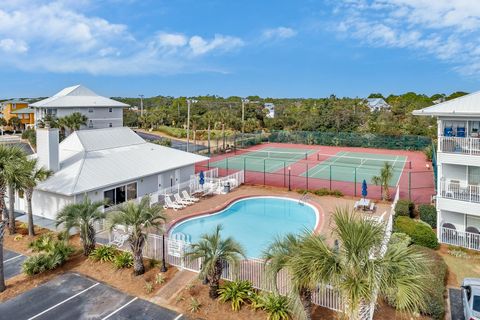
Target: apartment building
458	165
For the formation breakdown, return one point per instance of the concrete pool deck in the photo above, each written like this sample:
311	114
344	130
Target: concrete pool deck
326	205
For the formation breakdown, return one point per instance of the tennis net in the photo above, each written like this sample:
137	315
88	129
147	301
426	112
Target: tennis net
331	159
271	154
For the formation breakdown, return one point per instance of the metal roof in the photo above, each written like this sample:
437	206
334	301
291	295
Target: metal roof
96	159
77	96
468	105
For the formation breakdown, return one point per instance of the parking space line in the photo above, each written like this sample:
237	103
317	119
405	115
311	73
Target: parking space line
115	311
179	316
20	255
62	302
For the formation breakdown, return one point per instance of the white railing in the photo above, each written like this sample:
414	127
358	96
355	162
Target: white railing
459	145
454	190
460	238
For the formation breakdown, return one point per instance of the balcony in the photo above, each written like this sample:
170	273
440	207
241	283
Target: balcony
470	146
453	189
467	240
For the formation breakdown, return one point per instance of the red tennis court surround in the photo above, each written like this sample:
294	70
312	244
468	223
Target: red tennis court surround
413	172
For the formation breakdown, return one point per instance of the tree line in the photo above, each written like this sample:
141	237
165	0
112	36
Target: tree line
331	114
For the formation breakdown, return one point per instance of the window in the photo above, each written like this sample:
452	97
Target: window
110	125
90	124
132	191
474	175
90	110
120	194
476	303
110	109
14	106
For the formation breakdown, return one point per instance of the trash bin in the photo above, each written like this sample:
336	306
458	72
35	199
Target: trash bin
226	187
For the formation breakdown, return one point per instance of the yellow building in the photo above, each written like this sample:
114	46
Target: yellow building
18	109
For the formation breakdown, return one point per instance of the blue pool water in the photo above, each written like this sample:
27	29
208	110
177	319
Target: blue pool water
254	222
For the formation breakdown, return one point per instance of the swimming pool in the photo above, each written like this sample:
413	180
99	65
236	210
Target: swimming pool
254	222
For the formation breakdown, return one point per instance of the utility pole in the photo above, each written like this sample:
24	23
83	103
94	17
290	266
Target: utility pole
243	115
188	121
141	104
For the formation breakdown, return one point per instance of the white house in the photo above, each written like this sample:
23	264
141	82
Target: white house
458	175
101	112
377	104
111	163
270	107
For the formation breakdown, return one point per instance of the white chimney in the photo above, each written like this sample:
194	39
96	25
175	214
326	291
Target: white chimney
47	148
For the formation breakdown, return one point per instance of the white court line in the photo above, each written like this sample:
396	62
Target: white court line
179	316
20	255
326	165
62	302
115	311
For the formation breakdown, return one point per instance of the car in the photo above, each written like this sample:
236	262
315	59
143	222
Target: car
471	298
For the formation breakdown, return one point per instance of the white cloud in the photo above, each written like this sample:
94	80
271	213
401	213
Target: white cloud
58	36
445	29
279	33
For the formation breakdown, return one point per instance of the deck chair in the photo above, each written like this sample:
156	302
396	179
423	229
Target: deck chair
118	239
172	205
372	206
189	197
179	200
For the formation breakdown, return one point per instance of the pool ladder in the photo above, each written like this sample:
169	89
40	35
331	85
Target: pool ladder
304	198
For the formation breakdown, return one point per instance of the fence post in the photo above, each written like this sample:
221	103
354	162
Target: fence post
264	170
208	164
410	186
227	165
284	174
355	183
306	174
330	168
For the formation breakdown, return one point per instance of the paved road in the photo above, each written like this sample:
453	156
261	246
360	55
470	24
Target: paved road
12	263
177	144
72	296
456	304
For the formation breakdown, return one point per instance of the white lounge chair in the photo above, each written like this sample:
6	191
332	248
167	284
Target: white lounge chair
356	206
118	239
172	205
179	200
186	196
372	206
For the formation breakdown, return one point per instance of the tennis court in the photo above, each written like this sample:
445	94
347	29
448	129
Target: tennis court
356	166
269	159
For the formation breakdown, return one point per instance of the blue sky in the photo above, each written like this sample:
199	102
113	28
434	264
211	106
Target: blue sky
282	48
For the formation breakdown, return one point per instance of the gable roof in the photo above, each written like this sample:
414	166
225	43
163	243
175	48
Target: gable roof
462	106
78	96
377	103
96	159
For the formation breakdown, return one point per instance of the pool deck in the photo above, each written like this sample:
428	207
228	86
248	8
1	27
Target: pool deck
325	205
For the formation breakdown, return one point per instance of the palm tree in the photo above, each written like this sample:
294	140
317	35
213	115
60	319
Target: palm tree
82	216
278	257
357	269
15	123
386	174
8	155
35	175
16	175
2	275
138	218
215	252
73	122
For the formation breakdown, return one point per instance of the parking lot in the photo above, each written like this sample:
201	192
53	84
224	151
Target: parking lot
72	296
12	263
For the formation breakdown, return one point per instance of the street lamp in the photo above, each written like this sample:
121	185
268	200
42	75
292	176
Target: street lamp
141	104
289	174
164	266
189	102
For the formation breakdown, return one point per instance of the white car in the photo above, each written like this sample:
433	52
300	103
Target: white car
471	298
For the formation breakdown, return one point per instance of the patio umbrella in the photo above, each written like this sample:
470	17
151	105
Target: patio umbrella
201	178
364	189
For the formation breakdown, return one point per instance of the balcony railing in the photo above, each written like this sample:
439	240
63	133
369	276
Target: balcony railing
454	190
469	146
459	238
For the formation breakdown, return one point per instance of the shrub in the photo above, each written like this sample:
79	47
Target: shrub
428	151
276	306
44	242
428	213
237	292
55	255
434	305
104	254
400	239
123	260
194	305
160	278
421	233
328	192
405	208
31	136
148	287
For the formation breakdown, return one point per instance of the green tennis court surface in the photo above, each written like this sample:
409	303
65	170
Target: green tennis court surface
269	159
356	166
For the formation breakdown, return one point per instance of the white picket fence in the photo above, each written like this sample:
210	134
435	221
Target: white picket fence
252	270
